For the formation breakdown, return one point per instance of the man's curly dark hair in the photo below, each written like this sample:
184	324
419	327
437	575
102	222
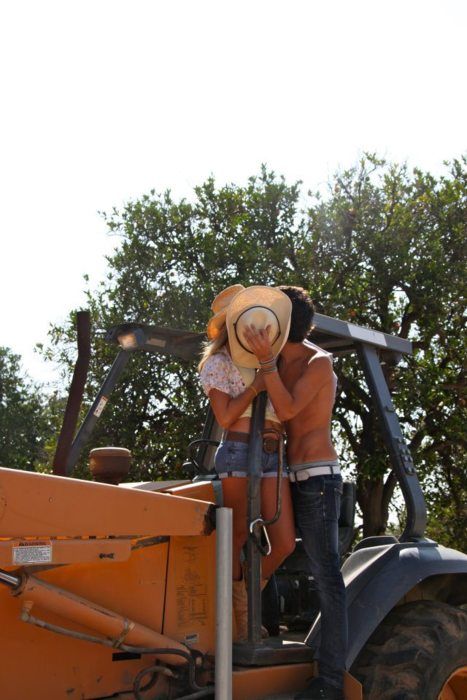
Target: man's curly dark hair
302	313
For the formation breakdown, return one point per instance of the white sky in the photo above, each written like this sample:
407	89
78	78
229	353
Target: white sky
102	100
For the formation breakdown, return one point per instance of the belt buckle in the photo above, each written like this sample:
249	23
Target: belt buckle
270	445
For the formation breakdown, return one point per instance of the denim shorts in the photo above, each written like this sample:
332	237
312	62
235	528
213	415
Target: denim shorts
232	460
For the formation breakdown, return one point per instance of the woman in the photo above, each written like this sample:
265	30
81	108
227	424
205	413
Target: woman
231	390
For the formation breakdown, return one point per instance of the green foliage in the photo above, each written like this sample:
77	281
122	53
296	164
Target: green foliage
24	425
384	247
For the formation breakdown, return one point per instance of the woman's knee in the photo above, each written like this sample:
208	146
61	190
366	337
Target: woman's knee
291	544
282	547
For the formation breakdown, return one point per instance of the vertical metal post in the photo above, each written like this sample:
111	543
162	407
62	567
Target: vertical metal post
255	449
211	431
223	671
75	396
399	452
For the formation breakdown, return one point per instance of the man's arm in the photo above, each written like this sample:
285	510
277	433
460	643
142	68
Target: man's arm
288	404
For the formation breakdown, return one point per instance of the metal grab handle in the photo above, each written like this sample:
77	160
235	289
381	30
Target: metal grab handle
265	551
280	471
195	444
260	521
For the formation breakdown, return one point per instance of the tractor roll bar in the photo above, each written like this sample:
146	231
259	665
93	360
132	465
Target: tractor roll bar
399	453
334	335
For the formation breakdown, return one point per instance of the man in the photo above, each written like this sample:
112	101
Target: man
301	385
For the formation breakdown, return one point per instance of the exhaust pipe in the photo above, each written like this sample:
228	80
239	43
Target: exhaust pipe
70	419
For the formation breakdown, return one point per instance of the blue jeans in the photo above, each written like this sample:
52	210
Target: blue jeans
231	459
317	506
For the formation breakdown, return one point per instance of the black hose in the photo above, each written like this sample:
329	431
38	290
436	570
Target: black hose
153	670
147	650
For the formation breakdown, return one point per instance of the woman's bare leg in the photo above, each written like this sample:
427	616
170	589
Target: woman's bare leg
282	532
235	491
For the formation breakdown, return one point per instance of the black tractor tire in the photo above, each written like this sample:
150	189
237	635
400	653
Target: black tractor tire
413	652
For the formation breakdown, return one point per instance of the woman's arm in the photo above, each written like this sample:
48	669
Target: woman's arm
227	409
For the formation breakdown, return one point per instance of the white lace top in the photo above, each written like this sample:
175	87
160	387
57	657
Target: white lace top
219	372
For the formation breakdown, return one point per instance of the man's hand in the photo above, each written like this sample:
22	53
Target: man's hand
258	342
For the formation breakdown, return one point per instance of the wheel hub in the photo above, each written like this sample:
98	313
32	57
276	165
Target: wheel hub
455	687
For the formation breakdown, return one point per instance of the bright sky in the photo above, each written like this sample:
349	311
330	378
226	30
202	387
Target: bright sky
102	100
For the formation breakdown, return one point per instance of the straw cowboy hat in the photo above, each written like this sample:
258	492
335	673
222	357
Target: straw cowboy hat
261	307
219	309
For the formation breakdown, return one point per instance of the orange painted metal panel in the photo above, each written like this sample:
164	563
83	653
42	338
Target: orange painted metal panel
201	490
40	505
190	613
154	485
53	551
135	588
267	681
46	666
104	623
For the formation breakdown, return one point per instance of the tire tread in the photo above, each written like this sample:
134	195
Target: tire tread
407	657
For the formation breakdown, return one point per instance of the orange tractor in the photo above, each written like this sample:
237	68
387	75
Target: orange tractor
120	590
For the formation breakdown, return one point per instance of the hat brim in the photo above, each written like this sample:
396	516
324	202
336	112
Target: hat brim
219	309
223	299
269	297
215	324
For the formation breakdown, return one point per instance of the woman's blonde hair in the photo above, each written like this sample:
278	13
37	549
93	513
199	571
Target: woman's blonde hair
213	346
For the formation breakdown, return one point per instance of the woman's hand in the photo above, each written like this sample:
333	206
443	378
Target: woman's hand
258	342
258	382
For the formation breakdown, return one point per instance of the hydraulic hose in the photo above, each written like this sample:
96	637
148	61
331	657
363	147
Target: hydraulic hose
116	630
9	579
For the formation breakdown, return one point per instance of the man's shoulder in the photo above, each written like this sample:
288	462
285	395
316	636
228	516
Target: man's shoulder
315	353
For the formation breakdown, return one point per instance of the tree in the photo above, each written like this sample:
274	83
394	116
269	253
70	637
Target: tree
383	247
402	271
24	426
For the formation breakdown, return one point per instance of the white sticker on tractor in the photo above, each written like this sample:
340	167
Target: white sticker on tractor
100	406
32	553
366	334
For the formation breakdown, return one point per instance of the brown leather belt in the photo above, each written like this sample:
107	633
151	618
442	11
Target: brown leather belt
270	444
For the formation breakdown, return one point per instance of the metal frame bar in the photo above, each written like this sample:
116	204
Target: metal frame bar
357	334
399	453
96	409
187	344
253	513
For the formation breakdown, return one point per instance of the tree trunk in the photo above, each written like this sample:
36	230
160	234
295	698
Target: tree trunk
373	499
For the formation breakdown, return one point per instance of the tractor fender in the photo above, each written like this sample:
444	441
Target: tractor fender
378	577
